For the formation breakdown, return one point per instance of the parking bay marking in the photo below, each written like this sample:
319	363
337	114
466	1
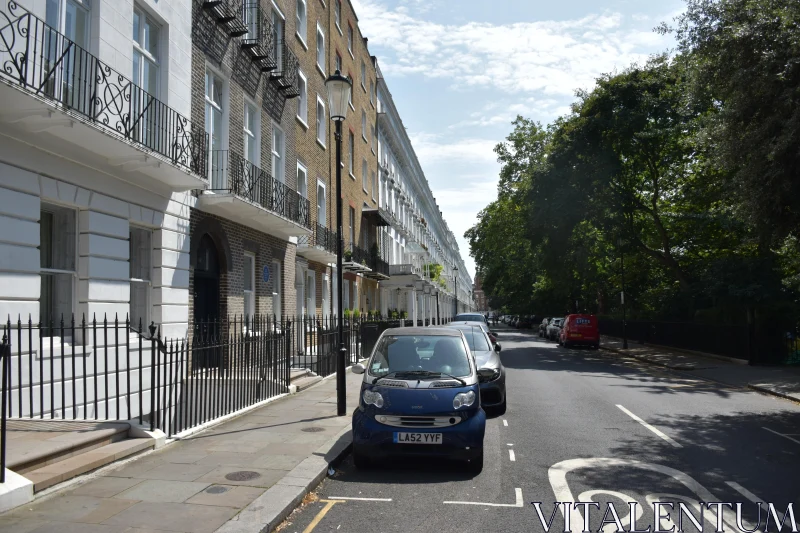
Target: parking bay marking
651	428
744	492
517	503
320	515
782	435
359	499
511	455
505	422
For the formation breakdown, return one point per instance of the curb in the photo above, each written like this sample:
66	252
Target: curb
649	361
267	511
764	390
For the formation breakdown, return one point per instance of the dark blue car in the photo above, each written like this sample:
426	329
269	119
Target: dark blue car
419	397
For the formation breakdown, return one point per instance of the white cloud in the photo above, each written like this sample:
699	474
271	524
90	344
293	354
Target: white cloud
434	148
551	57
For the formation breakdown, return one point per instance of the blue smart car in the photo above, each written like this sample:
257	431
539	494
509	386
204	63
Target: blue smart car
419	397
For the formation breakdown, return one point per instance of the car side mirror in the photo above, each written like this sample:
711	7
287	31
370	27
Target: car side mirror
358	368
497	348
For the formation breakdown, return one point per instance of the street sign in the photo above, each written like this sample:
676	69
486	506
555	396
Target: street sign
265	274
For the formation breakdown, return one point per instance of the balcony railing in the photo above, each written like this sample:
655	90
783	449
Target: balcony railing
41	61
404	270
232	173
228	14
260	39
353	253
286	75
322	237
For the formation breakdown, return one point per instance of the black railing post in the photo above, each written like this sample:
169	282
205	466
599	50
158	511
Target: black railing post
5	356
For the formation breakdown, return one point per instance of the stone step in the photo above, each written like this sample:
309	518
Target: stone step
299	373
304	383
54	473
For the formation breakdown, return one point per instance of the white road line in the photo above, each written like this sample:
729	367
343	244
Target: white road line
359	499
518	503
509	444
511	455
782	435
648	426
505	422
744	492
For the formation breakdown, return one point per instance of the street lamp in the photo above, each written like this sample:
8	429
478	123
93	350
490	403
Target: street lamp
622	294
338	96
455	289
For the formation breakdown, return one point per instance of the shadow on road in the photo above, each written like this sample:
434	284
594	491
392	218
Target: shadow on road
403	471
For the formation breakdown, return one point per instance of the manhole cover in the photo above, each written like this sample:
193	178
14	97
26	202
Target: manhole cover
216	490
243	475
313	429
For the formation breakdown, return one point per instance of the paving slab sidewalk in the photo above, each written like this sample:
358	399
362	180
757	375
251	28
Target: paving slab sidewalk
245	474
780	381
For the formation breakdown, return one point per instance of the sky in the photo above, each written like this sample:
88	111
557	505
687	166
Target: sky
460	71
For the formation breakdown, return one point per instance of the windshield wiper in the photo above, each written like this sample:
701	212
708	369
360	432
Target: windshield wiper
463	383
401	373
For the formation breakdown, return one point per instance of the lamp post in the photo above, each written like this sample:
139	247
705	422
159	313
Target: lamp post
455	290
339	88
622	294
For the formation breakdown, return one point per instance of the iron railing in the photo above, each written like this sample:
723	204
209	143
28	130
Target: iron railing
229	14
260	39
321	237
286	73
354	253
317	343
40	60
233	173
405	269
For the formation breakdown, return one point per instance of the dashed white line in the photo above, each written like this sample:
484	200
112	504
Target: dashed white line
511	455
782	435
651	428
517	503
505	422
744	492
359	499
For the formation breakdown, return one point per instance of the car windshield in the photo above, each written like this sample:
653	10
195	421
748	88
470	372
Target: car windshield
476	340
468	318
435	354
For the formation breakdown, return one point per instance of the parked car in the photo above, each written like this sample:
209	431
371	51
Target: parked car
543	327
580	330
491	373
491	334
554	328
470	317
525	321
398	414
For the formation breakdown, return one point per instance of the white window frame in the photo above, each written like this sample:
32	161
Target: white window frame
337	15
302	24
146	55
374	184
322	123
249	296
364	76
321	54
351	36
364	176
364	125
146	282
372	93
302	191
374	139
351	158
280	174
71	273
346	294
277	289
302	101
220	105
339	63
324	221
250	108
311	293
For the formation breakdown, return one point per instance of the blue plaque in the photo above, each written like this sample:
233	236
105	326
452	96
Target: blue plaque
265	274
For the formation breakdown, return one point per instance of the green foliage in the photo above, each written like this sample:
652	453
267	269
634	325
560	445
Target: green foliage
636	170
347	313
356	314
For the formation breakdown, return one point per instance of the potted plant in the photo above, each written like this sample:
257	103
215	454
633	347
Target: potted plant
394	314
348	255
356	314
403	315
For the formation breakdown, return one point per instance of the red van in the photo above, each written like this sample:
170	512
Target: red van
580	330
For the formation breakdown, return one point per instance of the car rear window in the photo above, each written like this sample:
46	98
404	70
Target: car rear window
476	340
469	318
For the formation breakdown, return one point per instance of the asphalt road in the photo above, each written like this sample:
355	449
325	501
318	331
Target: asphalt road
584	426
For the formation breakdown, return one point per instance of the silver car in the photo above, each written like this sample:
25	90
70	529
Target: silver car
491	373
554	328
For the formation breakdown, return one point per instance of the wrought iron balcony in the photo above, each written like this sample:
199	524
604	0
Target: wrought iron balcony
42	62
286	75
232	173
228	14
319	246
405	270
356	259
260	39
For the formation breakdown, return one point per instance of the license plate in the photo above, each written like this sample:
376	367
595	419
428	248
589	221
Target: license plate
575	335
418	438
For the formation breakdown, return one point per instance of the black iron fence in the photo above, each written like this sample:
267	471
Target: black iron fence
45	63
321	237
232	172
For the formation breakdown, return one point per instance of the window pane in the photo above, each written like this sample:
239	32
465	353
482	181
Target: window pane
55	301
151	33
248	272
150	82
137	27
140	249
57	238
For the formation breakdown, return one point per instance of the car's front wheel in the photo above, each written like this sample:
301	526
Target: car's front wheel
361	461
475	465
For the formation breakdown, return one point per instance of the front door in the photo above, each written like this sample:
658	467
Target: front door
206	305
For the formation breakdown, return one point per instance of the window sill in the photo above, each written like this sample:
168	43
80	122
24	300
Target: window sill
302	122
302	41
351	106
351	53
364	137
365	191
352	176
364	87
322	145
319	69
339	28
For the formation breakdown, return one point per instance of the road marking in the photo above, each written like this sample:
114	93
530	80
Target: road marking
511	455
510	444
518	503
651	428
782	435
505	422
320	515
360	499
744	492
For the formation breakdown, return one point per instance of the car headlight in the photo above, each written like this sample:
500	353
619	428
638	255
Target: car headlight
463	399
488	374
373	398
